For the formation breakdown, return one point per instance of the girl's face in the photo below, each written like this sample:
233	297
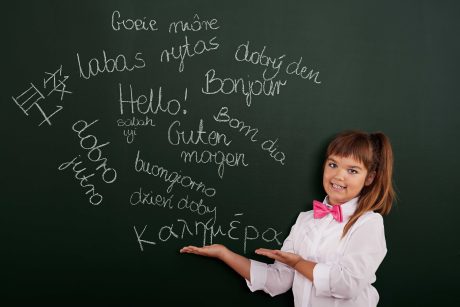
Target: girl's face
344	178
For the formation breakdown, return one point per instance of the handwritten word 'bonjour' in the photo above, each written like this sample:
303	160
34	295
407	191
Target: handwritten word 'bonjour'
248	88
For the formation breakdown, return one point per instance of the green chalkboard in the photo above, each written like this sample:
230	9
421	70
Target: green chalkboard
133	128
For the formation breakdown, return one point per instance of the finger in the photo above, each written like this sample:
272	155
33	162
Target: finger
268	254
189	249
279	253
263	251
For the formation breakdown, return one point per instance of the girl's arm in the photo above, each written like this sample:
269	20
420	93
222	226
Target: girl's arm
357	266
304	267
240	264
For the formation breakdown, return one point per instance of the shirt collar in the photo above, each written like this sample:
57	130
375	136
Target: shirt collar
348	208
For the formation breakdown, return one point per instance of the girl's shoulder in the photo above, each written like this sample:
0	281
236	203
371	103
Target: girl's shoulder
369	217
304	216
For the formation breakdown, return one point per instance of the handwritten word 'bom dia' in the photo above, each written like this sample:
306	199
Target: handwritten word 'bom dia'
107	64
207	231
267	145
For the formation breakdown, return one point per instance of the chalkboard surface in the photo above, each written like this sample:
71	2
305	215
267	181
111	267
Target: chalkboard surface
133	128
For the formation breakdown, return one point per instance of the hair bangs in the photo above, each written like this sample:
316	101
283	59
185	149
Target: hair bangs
352	144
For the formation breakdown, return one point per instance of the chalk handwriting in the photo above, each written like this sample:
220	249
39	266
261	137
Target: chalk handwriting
223	117
152	104
141	197
89	143
129	134
267	145
58	83
137	24
200	136
215	85
188	50
32	97
173	177
135	122
207	232
109	64
194	26
294	68
132	123
219	158
243	53
149	198
94	198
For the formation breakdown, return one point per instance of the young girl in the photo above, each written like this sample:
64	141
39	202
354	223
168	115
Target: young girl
333	251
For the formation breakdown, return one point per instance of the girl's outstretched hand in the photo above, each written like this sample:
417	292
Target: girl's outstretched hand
240	264
287	258
214	250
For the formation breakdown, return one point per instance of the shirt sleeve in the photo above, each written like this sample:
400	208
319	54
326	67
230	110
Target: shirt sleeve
274	278
356	269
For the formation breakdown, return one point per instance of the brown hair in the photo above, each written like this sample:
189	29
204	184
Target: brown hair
375	152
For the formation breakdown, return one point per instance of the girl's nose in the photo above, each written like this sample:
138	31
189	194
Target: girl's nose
340	174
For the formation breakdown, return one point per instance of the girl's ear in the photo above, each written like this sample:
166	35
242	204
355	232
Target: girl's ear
370	178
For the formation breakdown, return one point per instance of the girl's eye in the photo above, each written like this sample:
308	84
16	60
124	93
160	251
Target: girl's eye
332	165
352	171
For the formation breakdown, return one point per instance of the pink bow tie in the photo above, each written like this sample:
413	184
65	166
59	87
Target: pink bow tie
320	210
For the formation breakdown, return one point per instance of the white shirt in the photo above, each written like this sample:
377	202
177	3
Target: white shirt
345	268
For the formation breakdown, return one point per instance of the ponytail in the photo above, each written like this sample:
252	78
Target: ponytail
380	194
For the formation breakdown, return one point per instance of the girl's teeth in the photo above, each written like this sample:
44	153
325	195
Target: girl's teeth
336	186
